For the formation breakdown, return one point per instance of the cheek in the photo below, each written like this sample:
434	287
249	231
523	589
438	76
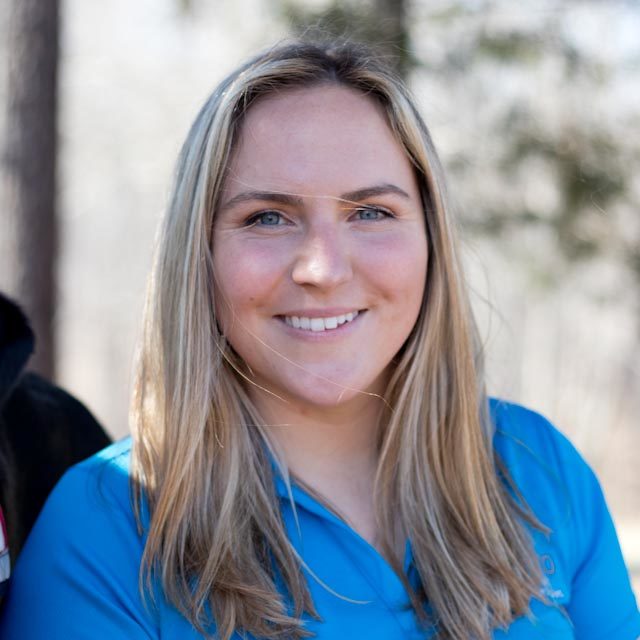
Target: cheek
398	265
245	278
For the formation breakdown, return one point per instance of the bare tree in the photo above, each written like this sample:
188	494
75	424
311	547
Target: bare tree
28	233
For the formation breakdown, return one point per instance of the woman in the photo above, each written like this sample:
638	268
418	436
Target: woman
313	450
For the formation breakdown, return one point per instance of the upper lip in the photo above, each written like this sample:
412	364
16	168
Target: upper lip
321	313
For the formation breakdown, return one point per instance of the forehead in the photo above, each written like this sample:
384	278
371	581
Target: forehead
326	138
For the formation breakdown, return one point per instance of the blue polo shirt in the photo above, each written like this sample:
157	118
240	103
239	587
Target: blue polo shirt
77	577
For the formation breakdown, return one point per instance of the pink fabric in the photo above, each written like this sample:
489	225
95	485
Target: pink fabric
5	562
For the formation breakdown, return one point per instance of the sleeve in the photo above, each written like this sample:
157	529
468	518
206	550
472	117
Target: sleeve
602	603
77	576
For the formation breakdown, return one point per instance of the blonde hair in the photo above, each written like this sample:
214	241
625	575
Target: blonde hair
216	537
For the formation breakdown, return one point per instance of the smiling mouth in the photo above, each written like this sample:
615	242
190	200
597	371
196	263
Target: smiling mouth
320	324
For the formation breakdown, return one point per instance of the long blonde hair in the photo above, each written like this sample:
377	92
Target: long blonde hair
215	538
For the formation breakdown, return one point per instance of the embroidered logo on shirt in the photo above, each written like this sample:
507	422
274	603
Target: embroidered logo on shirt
548	567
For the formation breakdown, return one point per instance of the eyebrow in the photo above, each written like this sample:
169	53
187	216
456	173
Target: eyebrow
296	200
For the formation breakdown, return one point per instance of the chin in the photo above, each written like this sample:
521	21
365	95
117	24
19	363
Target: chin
323	394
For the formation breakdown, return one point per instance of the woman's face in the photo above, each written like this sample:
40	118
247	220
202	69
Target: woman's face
320	247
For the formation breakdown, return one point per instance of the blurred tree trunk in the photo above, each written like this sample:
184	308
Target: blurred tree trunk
28	232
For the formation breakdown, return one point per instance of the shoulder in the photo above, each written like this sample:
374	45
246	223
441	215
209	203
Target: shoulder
528	443
83	554
553	479
99	484
580	556
91	510
519	426
112	464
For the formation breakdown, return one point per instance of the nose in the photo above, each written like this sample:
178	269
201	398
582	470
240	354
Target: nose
323	259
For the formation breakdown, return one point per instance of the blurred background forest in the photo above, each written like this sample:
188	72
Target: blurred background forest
533	106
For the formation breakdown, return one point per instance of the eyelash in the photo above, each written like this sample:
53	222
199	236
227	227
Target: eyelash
255	218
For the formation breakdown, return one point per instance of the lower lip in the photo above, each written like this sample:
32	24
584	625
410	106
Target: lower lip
340	331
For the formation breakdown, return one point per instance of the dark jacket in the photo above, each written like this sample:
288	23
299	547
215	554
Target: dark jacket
43	429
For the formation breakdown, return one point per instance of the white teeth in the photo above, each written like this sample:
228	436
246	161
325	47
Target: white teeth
331	323
319	324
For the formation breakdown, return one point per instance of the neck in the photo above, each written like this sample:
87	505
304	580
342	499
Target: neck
332	450
323	444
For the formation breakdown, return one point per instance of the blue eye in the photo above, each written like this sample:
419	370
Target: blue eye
266	219
372	213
